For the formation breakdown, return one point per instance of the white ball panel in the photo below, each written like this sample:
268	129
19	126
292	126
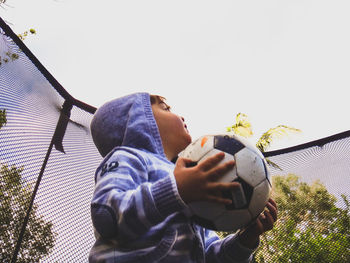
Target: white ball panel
260	197
250	167
232	220
197	149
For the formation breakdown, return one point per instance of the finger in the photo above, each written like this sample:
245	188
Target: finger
183	162
268	221
216	192
218	200
273	202
225	186
212	161
219	171
273	210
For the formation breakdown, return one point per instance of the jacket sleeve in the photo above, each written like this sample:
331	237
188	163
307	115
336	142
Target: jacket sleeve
125	203
227	250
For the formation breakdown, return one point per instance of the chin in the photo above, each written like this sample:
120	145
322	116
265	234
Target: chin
189	139
185	143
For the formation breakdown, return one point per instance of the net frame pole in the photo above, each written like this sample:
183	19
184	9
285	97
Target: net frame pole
57	141
26	219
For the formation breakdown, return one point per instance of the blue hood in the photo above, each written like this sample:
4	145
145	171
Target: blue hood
126	121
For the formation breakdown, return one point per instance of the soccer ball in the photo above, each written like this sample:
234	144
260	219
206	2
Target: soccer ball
250	171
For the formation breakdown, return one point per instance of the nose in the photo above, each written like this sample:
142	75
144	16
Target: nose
183	120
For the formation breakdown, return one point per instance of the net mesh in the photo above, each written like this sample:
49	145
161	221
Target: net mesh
46	149
33	107
326	160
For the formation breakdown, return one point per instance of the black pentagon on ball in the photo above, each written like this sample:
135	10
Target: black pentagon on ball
266	174
227	144
247	191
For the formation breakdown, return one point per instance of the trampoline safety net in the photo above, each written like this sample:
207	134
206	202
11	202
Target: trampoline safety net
48	161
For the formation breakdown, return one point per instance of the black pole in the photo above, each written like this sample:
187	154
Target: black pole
26	219
57	141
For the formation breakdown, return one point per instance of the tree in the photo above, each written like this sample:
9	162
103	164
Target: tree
15	193
3	119
7	54
243	127
310	226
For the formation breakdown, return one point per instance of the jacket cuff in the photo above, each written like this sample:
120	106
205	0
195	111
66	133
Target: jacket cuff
166	197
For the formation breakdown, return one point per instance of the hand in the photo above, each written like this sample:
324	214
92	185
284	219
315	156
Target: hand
250	235
200	183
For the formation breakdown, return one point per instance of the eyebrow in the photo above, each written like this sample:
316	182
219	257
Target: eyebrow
157	99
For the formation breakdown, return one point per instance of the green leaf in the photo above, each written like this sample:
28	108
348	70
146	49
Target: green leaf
266	139
242	126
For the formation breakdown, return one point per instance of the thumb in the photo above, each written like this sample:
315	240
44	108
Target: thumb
184	162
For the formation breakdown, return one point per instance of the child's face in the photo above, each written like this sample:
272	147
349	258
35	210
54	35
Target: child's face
172	128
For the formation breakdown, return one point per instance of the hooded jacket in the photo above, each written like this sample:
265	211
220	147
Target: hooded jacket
137	212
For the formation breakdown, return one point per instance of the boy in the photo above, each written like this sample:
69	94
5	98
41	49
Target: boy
139	208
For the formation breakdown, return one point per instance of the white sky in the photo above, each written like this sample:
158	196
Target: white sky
278	61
